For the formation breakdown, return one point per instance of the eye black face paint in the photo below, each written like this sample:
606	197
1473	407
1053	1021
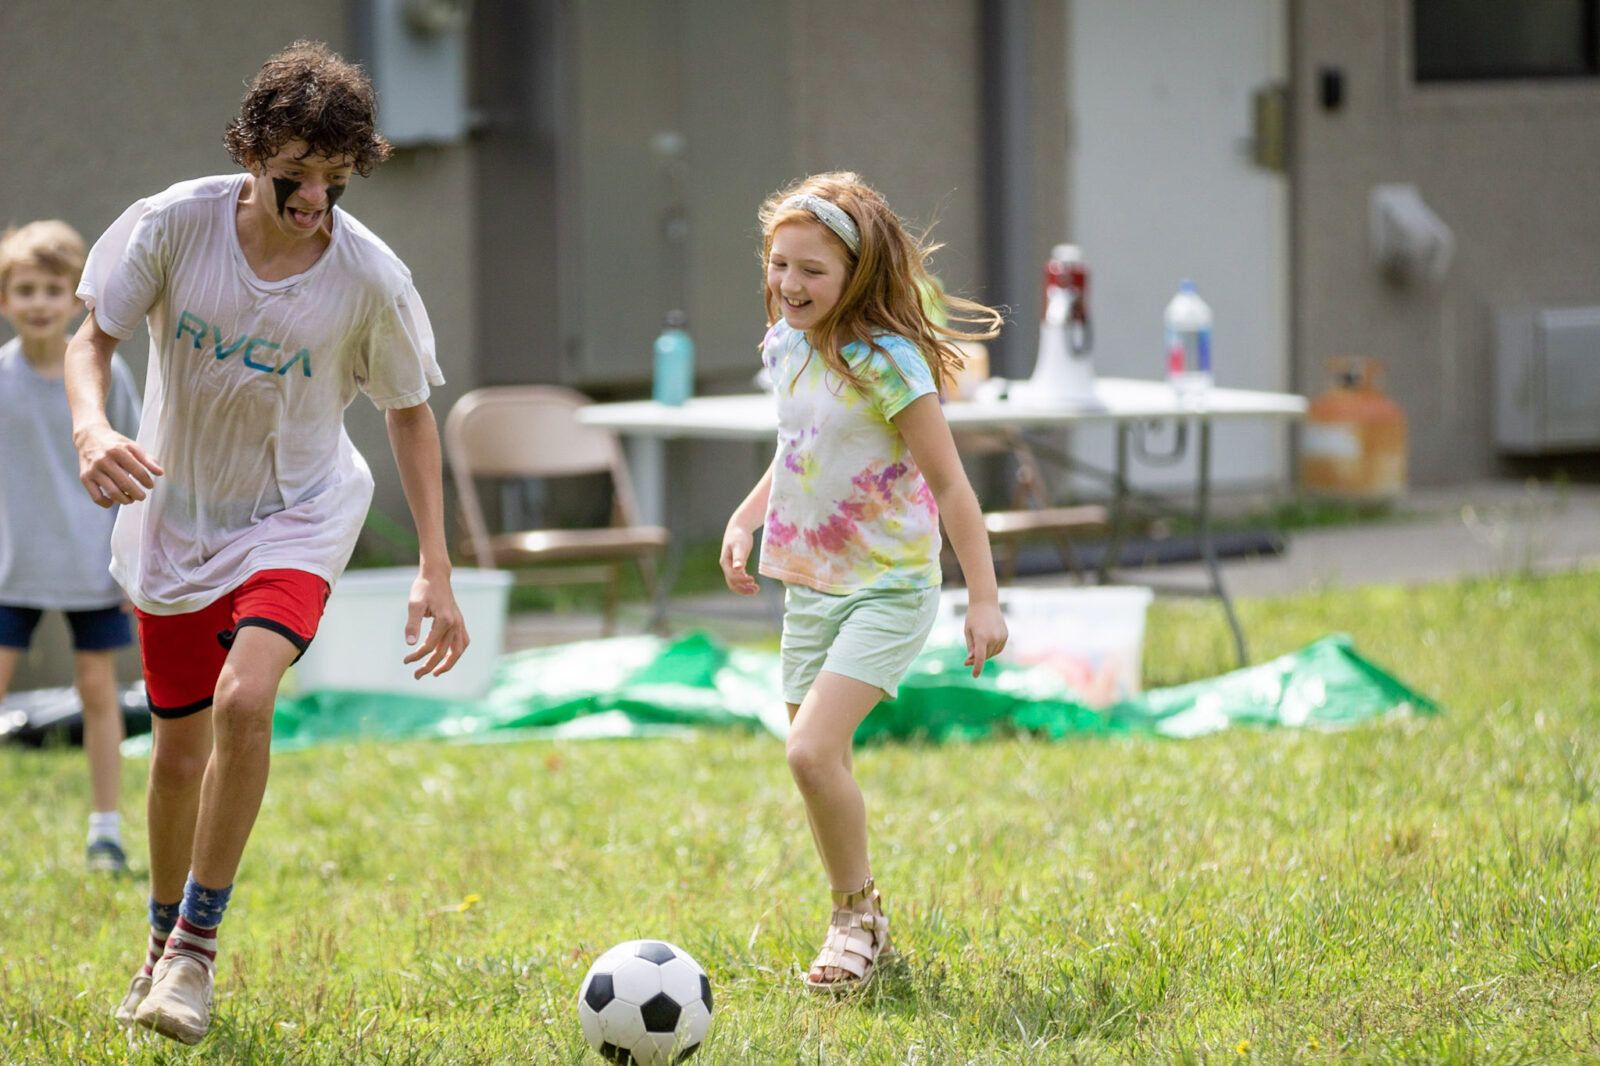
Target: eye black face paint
283	188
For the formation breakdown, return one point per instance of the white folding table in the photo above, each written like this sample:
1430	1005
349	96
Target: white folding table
1124	403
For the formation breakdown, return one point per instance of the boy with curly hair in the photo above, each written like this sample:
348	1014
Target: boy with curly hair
242	497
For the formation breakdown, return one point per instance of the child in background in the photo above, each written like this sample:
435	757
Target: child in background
55	545
851	505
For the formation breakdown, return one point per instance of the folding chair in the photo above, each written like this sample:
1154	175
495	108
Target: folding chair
520	432
1031	516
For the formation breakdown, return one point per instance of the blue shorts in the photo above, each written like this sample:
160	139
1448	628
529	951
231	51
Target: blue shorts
101	629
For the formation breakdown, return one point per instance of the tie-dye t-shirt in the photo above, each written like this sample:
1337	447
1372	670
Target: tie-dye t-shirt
848	508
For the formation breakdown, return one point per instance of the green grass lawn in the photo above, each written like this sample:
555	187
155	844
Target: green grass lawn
1413	890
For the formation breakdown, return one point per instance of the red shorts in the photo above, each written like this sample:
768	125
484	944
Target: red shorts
183	653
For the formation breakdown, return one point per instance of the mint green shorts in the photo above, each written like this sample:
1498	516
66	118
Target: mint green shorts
871	636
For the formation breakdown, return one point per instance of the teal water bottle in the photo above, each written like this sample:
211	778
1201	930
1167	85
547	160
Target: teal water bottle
674	363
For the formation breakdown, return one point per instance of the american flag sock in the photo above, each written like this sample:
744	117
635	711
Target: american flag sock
197	943
195	935
163	916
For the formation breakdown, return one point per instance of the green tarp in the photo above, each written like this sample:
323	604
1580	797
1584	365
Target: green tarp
646	685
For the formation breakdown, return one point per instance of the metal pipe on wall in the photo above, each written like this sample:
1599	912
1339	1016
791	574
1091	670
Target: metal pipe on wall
1006	166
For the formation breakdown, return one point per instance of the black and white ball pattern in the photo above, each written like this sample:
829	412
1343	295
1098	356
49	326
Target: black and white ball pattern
645	1003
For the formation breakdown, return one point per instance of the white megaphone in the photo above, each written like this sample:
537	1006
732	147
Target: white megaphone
1064	372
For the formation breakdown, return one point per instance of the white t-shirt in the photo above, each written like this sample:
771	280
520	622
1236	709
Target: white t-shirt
848	509
55	543
245	396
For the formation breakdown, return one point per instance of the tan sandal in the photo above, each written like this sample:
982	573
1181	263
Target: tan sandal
855	944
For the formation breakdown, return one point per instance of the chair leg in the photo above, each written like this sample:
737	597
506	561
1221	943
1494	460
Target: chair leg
652	590
950	566
1008	569
613	589
1069	558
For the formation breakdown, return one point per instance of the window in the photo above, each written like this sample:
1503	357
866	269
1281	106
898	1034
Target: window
1474	40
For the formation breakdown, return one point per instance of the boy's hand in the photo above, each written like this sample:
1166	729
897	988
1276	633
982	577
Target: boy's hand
447	637
112	468
986	634
736	545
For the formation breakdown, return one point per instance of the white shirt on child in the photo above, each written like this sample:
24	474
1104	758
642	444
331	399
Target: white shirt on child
848	509
246	390
55	543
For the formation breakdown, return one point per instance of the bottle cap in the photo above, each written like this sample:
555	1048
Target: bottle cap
677	319
1185	285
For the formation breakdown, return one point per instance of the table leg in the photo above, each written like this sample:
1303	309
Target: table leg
1119	507
1208	547
647	465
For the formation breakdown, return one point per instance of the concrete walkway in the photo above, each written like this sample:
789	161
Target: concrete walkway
1432	535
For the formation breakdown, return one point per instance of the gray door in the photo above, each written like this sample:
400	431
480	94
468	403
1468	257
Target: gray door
1163	187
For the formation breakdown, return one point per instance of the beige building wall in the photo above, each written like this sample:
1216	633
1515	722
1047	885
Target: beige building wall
105	102
908	122
1512	167
902	103
109	101
763	92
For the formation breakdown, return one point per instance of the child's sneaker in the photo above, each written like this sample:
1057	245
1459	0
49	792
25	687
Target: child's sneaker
138	989
179	1003
107	857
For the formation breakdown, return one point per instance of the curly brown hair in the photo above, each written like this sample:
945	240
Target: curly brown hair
308	92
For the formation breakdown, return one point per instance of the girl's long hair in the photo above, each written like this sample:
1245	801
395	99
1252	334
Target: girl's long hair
887	286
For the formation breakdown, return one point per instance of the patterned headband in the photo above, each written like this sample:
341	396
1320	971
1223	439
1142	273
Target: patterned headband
829	214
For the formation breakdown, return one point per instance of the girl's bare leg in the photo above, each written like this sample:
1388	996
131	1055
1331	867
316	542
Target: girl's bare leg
821	731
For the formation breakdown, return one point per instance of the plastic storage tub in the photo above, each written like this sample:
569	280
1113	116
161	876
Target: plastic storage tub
1093	637
361	643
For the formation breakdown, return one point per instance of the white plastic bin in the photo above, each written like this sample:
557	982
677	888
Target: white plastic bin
361	643
1093	636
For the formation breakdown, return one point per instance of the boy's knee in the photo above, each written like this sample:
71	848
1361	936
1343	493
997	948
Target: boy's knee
94	667
97	689
178	767
242	714
96	707
245	693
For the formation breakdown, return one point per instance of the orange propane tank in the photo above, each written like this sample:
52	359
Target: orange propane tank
1353	443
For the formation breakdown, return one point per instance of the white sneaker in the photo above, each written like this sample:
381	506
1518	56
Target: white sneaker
137	990
179	1003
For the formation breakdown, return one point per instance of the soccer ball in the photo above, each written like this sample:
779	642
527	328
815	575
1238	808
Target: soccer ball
645	1003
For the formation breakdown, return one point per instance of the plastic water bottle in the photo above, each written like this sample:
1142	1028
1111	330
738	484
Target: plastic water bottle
674	362
1188	323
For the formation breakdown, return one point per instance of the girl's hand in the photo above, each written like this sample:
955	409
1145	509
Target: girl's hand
986	634
736	545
